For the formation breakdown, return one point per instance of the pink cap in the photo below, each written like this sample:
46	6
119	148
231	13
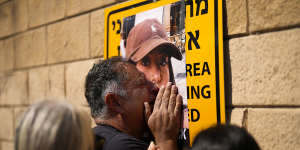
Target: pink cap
145	37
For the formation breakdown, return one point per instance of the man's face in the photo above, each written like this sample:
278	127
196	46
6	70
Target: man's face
155	66
139	90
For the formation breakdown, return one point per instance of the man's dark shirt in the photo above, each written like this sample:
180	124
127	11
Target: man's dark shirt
109	138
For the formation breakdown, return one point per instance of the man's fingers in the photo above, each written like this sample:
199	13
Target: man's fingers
166	96
159	98
147	111
177	110
172	101
152	146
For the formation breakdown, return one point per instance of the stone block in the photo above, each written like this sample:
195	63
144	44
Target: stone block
2	85
266	69
7	145
97	33
38	84
77	6
18	114
7	124
57	9
75	80
6	55
2	1
36	12
6	19
87	112
236	16
21	15
266	14
68	40
31	48
237	116
73	7
14	89
56	82
13	17
275	129
43	11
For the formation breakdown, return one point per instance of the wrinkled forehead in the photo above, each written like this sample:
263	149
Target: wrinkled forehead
130	73
134	76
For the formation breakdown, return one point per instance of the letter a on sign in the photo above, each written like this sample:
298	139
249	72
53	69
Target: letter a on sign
187	35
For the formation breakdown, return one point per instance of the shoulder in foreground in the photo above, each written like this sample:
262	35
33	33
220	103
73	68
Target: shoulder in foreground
125	142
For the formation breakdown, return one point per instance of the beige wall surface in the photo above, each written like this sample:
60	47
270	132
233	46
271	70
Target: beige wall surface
48	55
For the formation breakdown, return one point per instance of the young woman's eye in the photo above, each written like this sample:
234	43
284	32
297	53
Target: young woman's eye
145	62
163	61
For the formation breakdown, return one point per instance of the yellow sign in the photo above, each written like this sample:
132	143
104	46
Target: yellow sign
192	53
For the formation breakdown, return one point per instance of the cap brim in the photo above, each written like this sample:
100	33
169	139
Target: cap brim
151	44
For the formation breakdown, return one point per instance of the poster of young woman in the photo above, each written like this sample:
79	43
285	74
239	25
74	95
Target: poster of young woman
174	41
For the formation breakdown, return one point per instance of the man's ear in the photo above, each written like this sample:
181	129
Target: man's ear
113	103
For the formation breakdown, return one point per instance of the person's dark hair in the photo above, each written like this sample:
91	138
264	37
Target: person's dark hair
106	76
225	137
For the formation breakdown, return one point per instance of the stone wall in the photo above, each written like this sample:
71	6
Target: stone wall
46	54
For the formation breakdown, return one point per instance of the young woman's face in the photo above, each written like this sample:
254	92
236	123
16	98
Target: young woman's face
155	66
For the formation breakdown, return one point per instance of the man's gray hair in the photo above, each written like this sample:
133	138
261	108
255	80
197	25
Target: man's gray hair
106	76
53	125
111	87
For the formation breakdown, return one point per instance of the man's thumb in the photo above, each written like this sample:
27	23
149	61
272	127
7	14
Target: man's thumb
152	146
